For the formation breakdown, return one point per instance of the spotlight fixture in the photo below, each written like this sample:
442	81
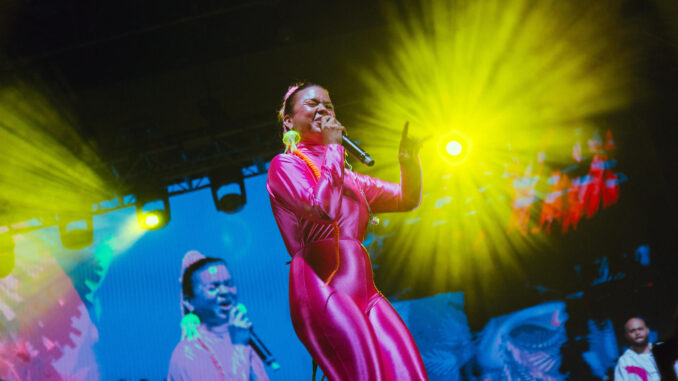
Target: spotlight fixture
151	220
76	231
228	189
6	254
153	210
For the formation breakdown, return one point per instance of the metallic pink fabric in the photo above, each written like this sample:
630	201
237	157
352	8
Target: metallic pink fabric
349	328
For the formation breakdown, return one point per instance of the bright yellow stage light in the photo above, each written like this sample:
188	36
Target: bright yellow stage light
151	220
47	168
453	147
524	80
153	209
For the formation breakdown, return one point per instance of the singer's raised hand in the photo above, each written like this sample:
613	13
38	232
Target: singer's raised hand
331	129
239	326
409	147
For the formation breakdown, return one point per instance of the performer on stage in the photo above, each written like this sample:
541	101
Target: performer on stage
215	342
322	210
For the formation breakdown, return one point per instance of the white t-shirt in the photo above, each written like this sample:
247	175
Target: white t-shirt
632	366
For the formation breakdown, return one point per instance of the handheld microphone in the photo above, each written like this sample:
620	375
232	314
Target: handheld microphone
255	342
356	151
264	354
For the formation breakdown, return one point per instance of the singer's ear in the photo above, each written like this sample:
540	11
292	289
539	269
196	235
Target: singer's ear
188	306
287	122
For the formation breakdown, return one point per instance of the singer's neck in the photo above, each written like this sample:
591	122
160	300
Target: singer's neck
314	151
218	329
319	147
313	146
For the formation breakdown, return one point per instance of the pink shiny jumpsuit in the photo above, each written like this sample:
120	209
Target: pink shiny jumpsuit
348	327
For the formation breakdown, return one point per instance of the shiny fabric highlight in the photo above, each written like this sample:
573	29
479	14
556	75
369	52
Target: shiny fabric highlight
348	327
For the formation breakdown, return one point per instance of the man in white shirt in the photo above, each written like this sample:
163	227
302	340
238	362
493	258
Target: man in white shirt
637	362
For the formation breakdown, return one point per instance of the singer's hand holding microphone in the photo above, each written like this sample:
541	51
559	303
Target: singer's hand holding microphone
331	129
240	330
334	133
239	325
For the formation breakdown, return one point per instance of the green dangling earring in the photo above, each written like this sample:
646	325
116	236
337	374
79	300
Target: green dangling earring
189	326
290	139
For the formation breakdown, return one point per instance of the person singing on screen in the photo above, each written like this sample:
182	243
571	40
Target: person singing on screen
215	342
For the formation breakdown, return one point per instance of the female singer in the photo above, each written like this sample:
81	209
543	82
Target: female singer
322	210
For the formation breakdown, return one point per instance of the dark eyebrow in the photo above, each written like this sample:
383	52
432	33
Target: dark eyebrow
316	100
229	280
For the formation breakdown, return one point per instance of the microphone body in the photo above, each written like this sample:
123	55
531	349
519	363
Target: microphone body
264	354
356	151
255	342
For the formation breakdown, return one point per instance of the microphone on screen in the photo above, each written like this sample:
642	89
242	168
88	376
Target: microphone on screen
356	151
255	342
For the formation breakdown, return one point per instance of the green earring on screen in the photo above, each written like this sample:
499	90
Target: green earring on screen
189	326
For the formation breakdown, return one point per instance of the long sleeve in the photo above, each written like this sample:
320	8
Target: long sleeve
246	365
176	373
257	371
384	196
411	183
294	186
188	362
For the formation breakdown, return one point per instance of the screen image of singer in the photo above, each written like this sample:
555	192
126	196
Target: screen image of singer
112	311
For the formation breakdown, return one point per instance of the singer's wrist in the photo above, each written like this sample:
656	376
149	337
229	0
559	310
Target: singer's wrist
239	335
332	141
241	341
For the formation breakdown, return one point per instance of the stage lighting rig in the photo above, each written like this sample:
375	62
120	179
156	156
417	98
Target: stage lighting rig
76	230
153	209
228	189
